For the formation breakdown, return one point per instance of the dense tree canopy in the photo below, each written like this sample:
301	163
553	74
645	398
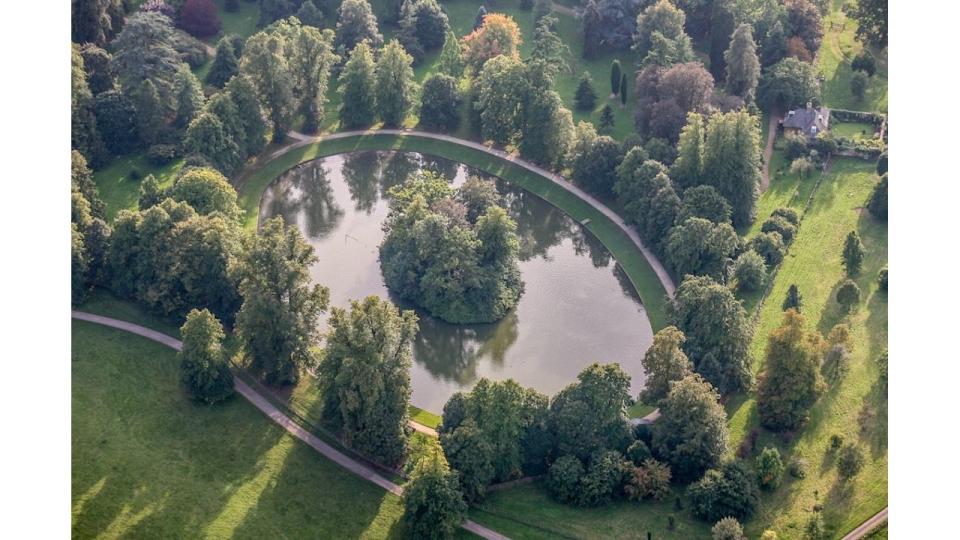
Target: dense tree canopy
877	203
596	170
691	433
278	319
588	416
365	376
743	65
730	491
791	382
503	87
788	84
95	21
699	247
459	271
84	135
660	37
872	16
717	330
249	112
440	102
206	191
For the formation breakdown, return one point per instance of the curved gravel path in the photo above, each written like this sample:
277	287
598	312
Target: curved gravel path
665	280
280	418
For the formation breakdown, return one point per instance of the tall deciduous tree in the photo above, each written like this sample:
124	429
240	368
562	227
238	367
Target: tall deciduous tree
264	63
440	102
471	455
499	34
433	506
365	376
395	88
95	21
244	96
278	321
188	95
206	191
687	169
661	26
743	65
872	16
222	106
451	57
717	330
356	23
596	171
787	84
791	382
664	363
357	88
204	368
311	58
691	433
732	155
503	87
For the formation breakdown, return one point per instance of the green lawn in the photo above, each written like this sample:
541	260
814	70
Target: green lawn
837	51
814	265
242	22
425	418
251	186
148	462
527	512
853	130
118	187
786	189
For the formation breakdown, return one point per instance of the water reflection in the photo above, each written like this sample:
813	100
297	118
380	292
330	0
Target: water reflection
578	307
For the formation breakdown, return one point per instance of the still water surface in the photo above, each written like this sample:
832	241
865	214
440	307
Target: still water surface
578	306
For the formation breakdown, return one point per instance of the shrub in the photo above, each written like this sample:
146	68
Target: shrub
727	528
768	535
603	480
750	271
848	295
796	147
563	479
836	363
638	452
770	247
649	481
769	468
781	225
797	467
161	154
728	492
836	441
882	164
815	528
864	62
849	461
788	214
882	279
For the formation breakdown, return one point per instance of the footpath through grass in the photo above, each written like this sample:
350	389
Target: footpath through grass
852	408
149	462
251	186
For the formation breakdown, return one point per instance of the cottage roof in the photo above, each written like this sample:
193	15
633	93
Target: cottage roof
810	121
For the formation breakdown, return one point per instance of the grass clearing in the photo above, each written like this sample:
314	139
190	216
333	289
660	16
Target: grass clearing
813	264
527	512
242	22
853	130
118	183
837	51
424	418
251	186
149	462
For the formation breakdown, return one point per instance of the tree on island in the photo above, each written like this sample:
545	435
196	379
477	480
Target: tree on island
432	255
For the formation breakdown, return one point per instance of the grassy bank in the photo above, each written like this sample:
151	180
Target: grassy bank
149	462
836	53
813	264
251	186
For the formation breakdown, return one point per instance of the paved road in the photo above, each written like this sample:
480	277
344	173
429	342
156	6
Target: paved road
665	280
867	526
283	420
